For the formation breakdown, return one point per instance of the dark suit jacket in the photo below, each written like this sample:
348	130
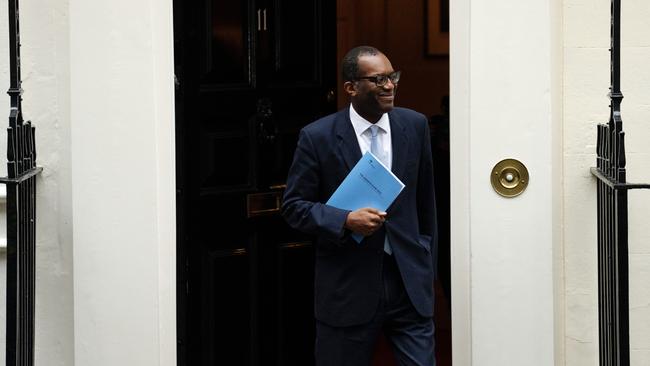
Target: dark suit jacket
348	275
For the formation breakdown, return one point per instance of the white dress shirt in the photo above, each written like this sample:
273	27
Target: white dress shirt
362	131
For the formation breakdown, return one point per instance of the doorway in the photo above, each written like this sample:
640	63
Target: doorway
414	34
249	75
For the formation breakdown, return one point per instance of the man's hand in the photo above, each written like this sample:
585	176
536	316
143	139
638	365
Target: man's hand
365	221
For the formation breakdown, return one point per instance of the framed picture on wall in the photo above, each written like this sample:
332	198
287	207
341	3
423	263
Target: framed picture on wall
436	27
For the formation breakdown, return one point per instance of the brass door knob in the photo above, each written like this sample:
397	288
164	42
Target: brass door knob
509	178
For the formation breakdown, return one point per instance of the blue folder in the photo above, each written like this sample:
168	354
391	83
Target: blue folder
369	184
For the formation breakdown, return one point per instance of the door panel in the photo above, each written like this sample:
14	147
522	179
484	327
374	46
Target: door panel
227	298
295	339
296	29
227	53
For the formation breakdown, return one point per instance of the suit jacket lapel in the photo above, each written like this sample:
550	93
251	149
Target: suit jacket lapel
348	144
399	139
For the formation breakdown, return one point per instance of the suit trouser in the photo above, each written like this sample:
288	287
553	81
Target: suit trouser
410	335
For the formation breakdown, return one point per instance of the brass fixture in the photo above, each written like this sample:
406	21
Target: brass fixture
509	178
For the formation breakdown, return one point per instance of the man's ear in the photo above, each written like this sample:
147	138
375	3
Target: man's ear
350	88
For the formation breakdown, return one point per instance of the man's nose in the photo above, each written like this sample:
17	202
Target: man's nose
390	84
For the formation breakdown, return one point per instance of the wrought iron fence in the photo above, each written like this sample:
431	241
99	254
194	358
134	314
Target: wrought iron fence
21	213
613	272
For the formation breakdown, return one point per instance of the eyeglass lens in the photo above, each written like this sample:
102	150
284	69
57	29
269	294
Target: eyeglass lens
383	79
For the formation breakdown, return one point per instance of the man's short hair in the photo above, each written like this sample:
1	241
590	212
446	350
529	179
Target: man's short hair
350	63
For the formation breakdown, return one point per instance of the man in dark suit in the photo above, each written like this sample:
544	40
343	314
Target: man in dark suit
384	283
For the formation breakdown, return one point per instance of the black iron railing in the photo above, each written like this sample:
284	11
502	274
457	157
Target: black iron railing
21	214
613	272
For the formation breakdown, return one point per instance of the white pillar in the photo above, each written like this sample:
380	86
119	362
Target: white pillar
505	103
123	178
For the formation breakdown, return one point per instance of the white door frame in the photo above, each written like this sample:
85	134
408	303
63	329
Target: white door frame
506	100
459	85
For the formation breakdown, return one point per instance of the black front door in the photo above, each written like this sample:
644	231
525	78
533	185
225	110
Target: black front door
250	74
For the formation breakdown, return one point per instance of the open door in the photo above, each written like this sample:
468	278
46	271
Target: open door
250	75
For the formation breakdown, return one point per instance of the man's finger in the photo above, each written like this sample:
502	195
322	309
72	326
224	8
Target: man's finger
372	210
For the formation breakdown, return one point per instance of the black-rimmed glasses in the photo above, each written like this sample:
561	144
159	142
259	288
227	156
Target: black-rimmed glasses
381	80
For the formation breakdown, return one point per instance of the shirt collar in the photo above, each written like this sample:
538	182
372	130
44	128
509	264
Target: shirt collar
360	124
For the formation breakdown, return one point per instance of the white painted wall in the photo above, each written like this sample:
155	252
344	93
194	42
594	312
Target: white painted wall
123	175
586	83
529	80
506	96
115	71
506	102
45	52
